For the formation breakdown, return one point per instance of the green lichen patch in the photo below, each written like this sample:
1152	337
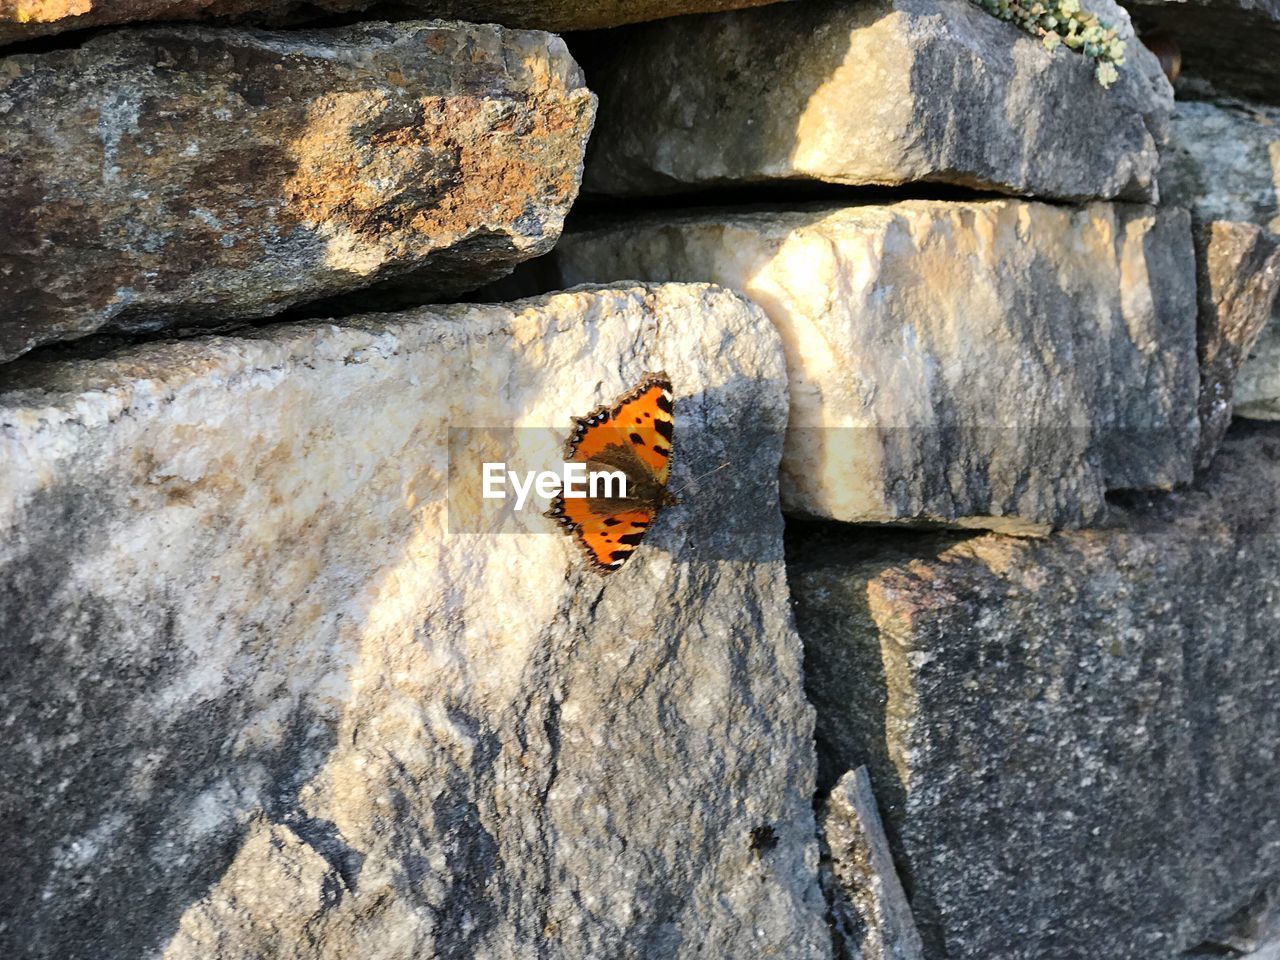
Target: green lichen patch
1064	22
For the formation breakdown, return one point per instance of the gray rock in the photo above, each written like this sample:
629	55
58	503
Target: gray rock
23	21
1227	45
1221	166
1257	391
890	92
869	908
1253	932
1238	277
1219	162
997	363
1075	739
183	176
261	702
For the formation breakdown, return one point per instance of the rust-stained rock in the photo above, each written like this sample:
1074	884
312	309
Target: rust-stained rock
1238	275
186	175
24	19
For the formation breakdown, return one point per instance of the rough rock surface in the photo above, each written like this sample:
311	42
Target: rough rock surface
1222	161
1257	392
261	703
1223	164
872	93
1229	45
868	906
190	175
1074	740
25	19
1000	363
1238	277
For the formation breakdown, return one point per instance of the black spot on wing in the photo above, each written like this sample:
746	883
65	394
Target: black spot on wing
664	404
636	439
612	522
619	555
665	428
632	539
662	451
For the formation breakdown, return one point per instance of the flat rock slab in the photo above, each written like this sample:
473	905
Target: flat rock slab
872	93
1225	45
1074	740
24	20
997	363
179	176
263	702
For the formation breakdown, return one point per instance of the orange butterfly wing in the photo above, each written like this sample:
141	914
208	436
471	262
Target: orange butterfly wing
642	420
607	541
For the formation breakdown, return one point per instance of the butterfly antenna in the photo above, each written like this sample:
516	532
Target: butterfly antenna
693	480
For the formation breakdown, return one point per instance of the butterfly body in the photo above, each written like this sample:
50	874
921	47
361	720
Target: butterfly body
631	437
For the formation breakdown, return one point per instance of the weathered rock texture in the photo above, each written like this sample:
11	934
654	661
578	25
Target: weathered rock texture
868	906
188	175
1001	363
1257	392
1222	161
1238	276
1229	44
1224	164
1074	740
25	19
261	703
871	93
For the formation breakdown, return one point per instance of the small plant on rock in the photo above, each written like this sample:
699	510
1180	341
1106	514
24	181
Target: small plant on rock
1064	22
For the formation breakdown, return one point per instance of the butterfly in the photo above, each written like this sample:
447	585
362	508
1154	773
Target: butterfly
631	436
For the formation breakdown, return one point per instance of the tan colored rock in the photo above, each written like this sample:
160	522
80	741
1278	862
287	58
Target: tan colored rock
1075	741
996	363
185	176
1238	278
25	19
261	701
886	92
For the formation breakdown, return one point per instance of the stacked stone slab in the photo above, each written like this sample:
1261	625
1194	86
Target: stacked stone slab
998	363
186	176
1075	741
26	19
260	699
890	92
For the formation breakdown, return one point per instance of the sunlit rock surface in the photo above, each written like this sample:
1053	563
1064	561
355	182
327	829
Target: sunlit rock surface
996	363
263	702
886	93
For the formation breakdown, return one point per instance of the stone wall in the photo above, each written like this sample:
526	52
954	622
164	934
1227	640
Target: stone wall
942	627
